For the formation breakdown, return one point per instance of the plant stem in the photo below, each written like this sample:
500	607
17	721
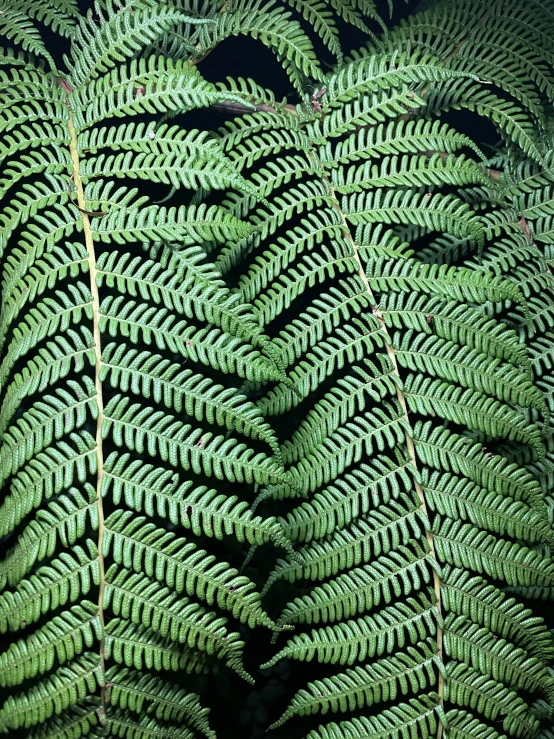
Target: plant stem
98	385
402	401
232	107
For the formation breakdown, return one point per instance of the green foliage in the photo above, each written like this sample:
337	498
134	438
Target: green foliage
324	331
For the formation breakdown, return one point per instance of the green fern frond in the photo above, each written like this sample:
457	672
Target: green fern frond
356	640
143	694
50	472
385	679
203	511
53	694
466	687
16	25
363	541
270	24
145	602
139	428
476	646
135	543
474	549
332	336
79	720
119	723
141	647
399	573
471	596
64	522
64	580
59	640
460	499
118	38
322	20
397	137
363	489
416	717
442	449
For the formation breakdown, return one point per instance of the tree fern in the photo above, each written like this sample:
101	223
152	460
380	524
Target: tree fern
324	329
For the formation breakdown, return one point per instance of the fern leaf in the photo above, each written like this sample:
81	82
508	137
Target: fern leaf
59	640
401	572
64	580
272	25
157	553
466	687
145	602
140	647
416	716
150	695
178	443
356	640
64	522
203	511
363	686
54	694
469	547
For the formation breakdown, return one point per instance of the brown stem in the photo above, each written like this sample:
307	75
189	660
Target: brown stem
230	106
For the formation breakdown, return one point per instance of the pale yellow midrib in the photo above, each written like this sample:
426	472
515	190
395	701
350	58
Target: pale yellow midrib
89	242
402	400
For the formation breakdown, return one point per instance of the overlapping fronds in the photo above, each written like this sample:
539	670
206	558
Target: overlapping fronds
100	344
413	393
325	329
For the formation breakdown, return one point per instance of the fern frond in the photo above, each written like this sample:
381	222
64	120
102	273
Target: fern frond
412	670
58	641
16	25
121	724
272	25
47	474
60	16
460	499
461	324
118	38
400	572
414	718
138	428
79	720
141	647
441	449
322	21
143	694
64	522
356	640
380	533
46	421
53	694
354	494
145	602
479	648
171	289
397	137
302	352
466	687
66	579
135	543
466	368
408	171
377	430
203	511
469	547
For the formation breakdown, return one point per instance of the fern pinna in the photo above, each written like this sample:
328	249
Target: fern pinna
336	351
